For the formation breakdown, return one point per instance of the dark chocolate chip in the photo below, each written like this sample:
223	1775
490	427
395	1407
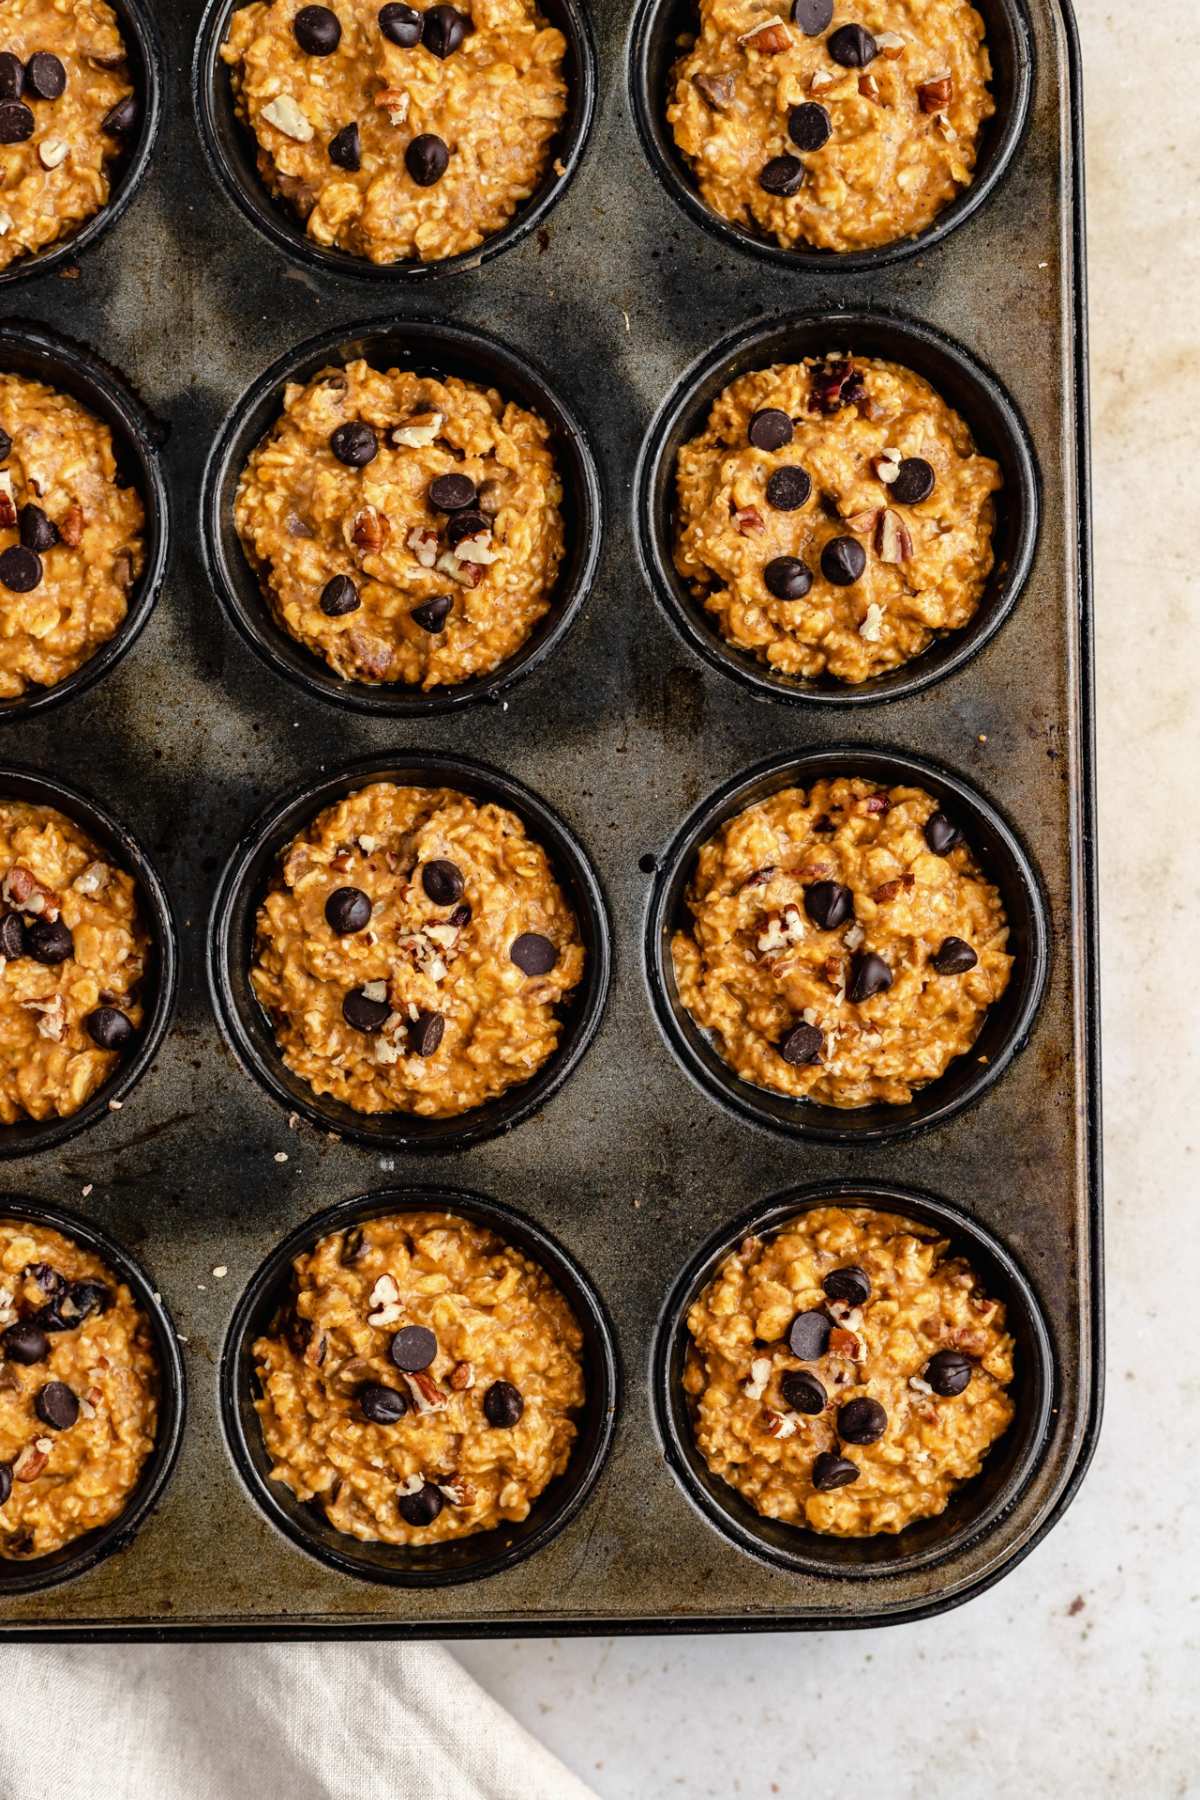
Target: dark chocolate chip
363	1014
20	569
6	1481
12	937
830	1471
861	1421
851	1284
445	29
348	910
802	1045
49	941
842	561
426	1033
828	904
109	1028
770	429
809	126
533	954
460	916
427	158
788	488
452	493
89	1297
16	122
783	175
45	76
808	1338
466	524
431	615
948	1372
122	119
317	30
37	530
12	76
812	16
48	1278
413	1348
421	1508
401	25
345	148
339	597
852	46
941	834
787	578
954	957
869	975
913	483
25	1343
56	1406
382	1405
354	444
802	1391
502	1405
442	881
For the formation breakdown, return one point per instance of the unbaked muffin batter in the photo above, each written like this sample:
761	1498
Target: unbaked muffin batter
423	1382
73	951
78	1391
840	127
406	529
399	131
835	517
67	108
844	946
71	536
848	1374
413	950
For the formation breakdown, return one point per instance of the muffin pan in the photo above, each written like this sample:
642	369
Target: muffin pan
624	731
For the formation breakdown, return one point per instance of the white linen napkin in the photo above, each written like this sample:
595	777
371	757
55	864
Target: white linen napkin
261	1722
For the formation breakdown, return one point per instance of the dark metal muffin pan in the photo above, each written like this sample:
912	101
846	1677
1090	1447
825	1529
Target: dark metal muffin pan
624	730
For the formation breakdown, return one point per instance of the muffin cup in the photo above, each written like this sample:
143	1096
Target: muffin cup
974	1508
28	350
244	882
85	1552
431	348
30	1136
147	64
1006	1026
231	150
963	383
654	49
464	1559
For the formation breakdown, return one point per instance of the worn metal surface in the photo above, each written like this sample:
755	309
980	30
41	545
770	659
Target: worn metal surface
623	731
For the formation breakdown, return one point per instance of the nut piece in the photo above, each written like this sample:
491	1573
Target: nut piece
863	522
871	630
424	545
427	1395
8	504
462	1377
935	93
769	38
418	433
23	892
53	151
760	1374
890	44
393	101
29	1464
778	1425
903	884
893	541
370	530
70	527
717	90
887	464
748	520
869	88
52	1019
285	116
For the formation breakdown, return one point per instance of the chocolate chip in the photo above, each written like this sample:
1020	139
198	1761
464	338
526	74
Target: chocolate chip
37	530
913	483
770	429
339	597
828	904
345	148
16	122
317	30
852	46
421	1508
431	615
533	954
49	941
354	444
787	578
830	1471
426	1033
869	975
347	910
109	1028
363	1014
442	881
842	561
788	489
861	1421
460	916
466	524
51	1282
56	1406
851	1284
382	1405
6	1481
12	76
445	29
413	1348
451	493
5	443
941	834
948	1372
502	1405
402	25
20	569
122	119
12	937
427	157
954	957
809	126
802	1045
783	175
45	77
802	1391
25	1343
89	1297
812	16
808	1338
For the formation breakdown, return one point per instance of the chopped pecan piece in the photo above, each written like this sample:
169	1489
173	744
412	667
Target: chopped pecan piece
748	520
717	90
8	504
370	530
423	542
30	1463
416	433
868	87
901	885
462	1377
286	116
769	38
863	522
427	1395
393	101
846	1343
935	93
890	44
52	1017
70	527
777	1425
22	890
760	877
457	1491
893	540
